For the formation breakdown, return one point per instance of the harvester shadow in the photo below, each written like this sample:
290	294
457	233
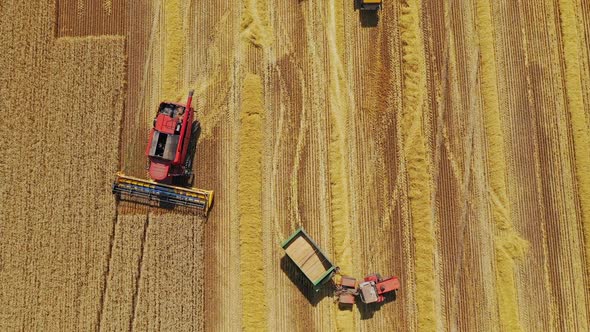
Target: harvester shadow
368	310
369	18
304	286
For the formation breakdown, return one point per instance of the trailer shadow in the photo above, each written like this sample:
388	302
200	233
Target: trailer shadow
304	285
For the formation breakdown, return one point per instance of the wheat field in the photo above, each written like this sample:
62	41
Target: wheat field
444	142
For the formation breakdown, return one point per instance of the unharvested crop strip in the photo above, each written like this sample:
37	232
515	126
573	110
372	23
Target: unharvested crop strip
508	245
579	121
254	314
418	163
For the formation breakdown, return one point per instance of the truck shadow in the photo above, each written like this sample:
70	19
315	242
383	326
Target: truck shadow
304	285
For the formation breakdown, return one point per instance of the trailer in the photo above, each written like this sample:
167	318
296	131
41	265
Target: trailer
309	258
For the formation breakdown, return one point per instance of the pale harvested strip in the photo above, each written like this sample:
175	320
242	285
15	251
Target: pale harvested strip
169	287
173	50
418	163
508	244
579	118
254	315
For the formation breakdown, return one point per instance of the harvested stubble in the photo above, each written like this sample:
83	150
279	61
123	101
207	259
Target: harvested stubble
508	244
580	118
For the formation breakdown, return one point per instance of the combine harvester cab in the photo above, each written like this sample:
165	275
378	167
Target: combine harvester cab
170	151
308	257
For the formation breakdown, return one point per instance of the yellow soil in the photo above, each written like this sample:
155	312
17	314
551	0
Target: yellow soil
579	120
254	315
508	244
418	164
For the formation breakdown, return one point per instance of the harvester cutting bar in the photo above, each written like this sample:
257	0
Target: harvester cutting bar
192	197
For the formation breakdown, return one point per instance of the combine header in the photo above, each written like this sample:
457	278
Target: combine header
170	151
151	190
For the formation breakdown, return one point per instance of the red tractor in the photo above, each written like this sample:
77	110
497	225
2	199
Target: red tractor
172	142
372	290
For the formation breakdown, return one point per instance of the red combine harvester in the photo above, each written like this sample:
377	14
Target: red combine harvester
373	289
170	151
169	142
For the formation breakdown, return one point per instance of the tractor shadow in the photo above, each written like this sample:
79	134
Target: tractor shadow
304	285
368	310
